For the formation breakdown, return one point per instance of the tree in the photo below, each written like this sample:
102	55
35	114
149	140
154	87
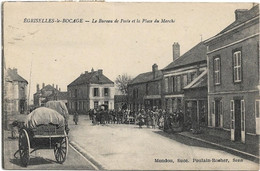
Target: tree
122	81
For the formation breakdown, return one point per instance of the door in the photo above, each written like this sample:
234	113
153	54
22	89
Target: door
213	114
217	113
238	120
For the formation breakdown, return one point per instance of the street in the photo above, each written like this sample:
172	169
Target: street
42	159
126	147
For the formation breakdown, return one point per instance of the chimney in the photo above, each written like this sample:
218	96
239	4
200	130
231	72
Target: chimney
92	70
38	87
176	50
56	86
100	71
239	13
43	85
86	72
154	69
59	89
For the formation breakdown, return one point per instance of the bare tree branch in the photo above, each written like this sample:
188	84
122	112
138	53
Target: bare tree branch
122	82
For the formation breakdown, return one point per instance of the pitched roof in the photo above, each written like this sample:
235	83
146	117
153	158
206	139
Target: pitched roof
12	75
194	55
91	78
48	88
199	82
61	95
146	77
246	15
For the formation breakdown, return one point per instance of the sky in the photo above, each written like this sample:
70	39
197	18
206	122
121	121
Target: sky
57	53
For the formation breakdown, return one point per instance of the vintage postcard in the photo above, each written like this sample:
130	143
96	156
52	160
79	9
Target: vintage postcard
130	86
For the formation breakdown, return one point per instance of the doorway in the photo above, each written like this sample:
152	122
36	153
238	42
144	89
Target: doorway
237	120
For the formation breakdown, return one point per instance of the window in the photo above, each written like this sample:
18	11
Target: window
146	89
159	88
95	104
237	66
96	92
217	71
166	82
192	76
184	80
106	103
135	92
75	93
173	84
178	83
106	91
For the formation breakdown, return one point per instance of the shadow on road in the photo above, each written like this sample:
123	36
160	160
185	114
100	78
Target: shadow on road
33	161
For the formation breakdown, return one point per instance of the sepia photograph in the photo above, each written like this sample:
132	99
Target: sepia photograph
130	85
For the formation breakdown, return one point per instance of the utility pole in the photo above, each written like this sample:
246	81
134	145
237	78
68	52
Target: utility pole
30	86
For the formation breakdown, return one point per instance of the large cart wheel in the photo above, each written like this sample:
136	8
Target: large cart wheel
61	150
24	147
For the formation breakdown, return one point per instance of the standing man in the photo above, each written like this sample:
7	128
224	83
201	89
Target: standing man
76	117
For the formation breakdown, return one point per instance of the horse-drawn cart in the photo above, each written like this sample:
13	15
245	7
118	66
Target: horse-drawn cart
43	129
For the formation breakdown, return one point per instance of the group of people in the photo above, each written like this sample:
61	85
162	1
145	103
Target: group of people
154	118
161	118
104	116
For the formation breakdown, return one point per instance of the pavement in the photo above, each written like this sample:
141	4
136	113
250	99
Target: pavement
126	147
248	151
41	159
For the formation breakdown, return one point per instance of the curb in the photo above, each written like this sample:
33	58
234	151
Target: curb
88	157
248	155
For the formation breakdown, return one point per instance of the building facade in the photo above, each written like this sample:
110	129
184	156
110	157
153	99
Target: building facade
14	94
233	78
47	93
178	75
89	91
144	91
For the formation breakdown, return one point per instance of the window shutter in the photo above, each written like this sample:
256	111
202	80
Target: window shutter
232	114
221	114
243	115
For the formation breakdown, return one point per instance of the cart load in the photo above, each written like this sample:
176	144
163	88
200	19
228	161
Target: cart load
44	116
60	107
